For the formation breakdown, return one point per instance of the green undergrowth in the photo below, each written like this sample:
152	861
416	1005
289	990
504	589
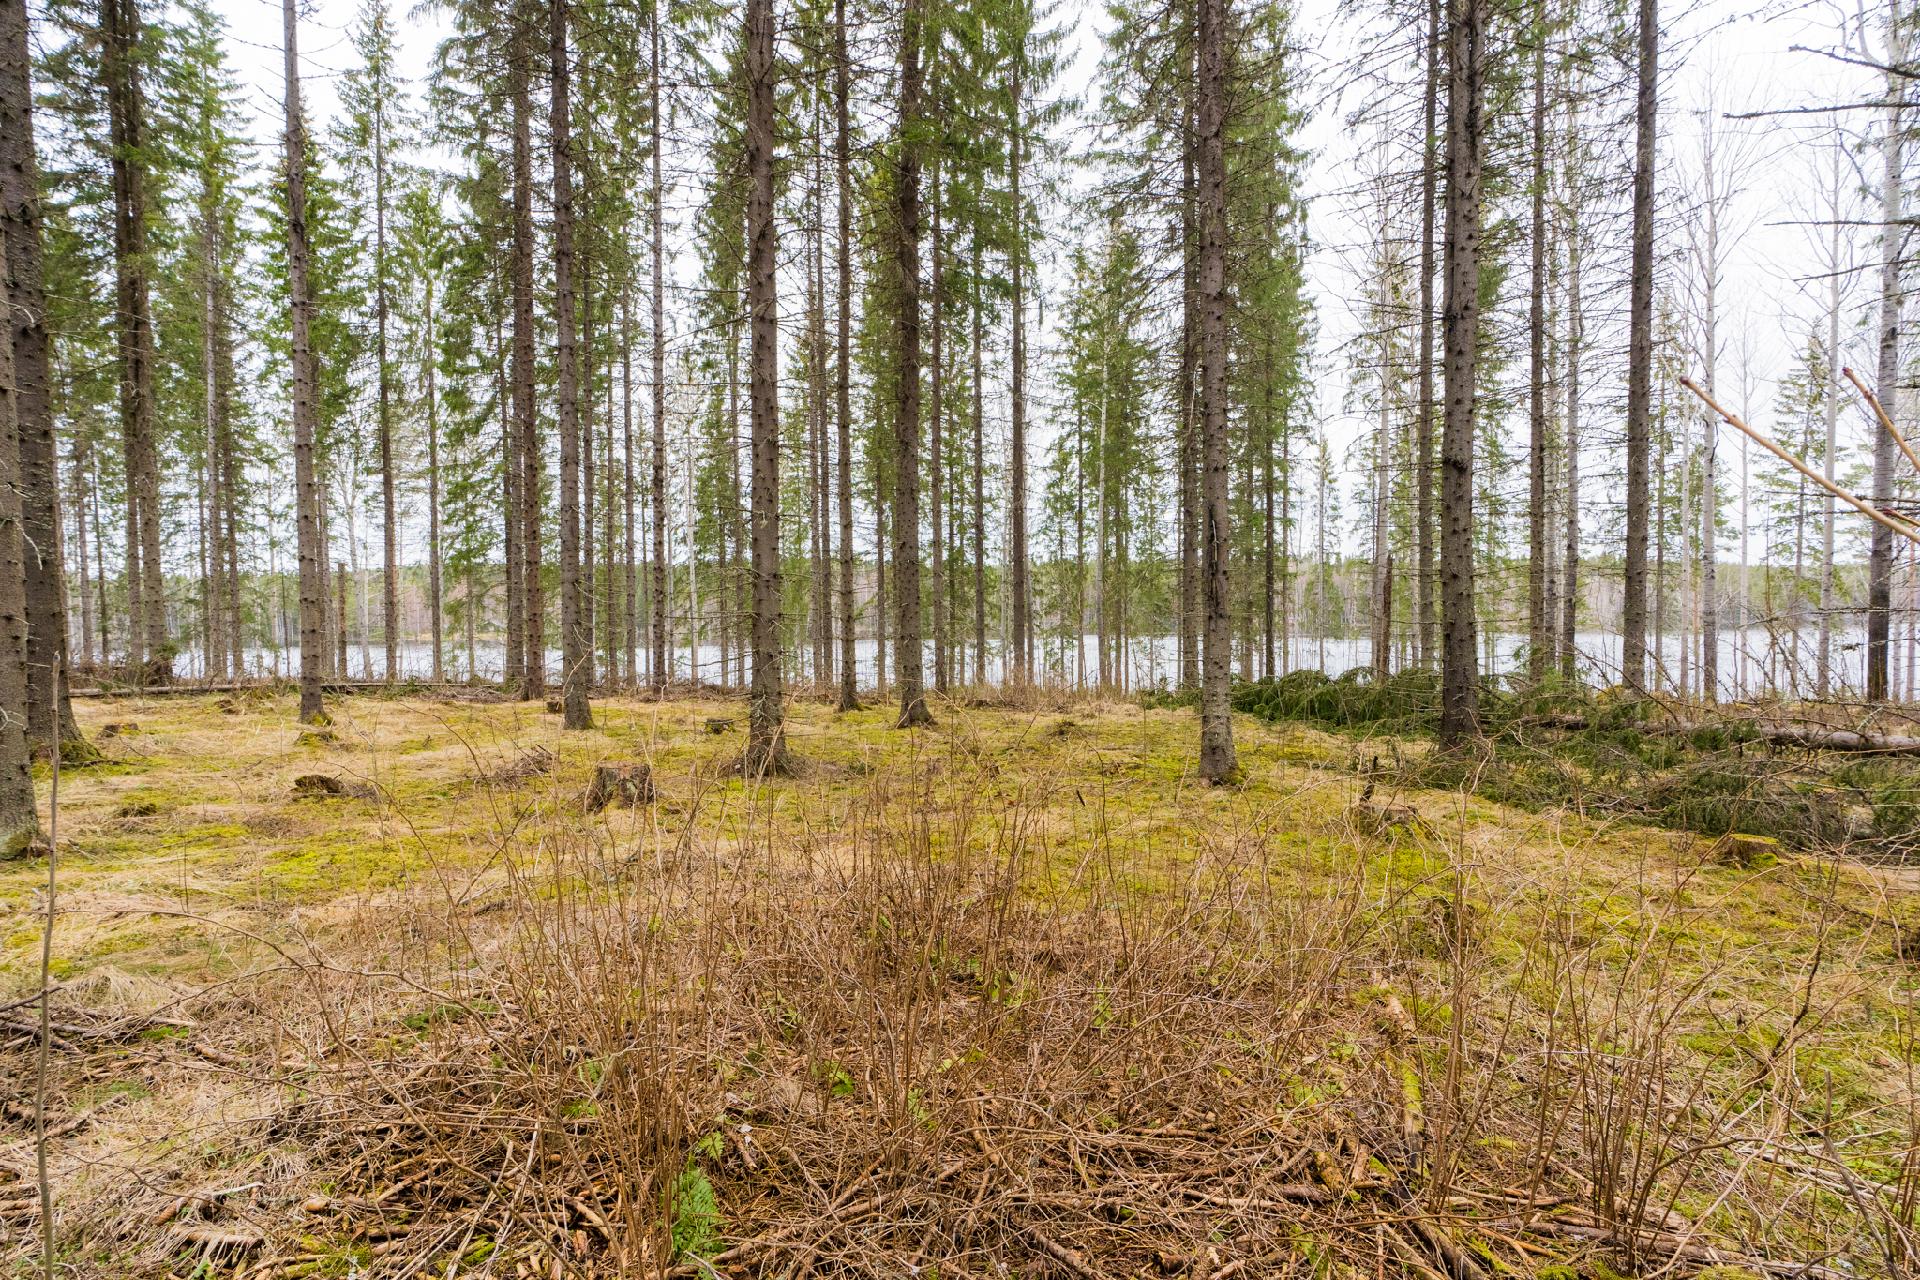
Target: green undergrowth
1602	753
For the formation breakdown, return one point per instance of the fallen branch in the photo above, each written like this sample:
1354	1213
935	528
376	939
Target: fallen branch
1894	522
1686	1249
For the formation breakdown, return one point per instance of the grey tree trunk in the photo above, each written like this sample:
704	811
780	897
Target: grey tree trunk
19	820
1710	455
628	492
1188	418
1633	650
657	665
575	655
980	500
389	482
936	445
843	359
1538	624
1460	671
149	654
909	660
1880	558
306	480
1424	604
434	566
1576	334
766	741
1218	762
531	619
48	705
1020	661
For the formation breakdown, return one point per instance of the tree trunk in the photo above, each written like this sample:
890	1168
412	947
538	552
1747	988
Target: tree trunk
19	820
1892	301
43	583
1576	334
936	445
313	601
657	666
1018	570
909	659
980	499
628	490
512	470
1710	481
819	483
434	566
389	485
574	656
1460	674
1189	428
843	360
1429	614
531	621
81	491
583	362
766	742
1218	762
1537	621
148	650
1380	595
1633	650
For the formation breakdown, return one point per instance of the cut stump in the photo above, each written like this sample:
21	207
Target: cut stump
628	784
1739	849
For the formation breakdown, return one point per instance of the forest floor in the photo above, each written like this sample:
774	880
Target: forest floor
1010	996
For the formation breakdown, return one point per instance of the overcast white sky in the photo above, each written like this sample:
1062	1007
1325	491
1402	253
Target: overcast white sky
1746	58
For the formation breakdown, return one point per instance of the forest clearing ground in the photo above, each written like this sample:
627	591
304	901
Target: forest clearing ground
1011	995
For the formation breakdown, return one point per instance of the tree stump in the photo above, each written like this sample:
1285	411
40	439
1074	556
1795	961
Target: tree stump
629	784
1738	849
313	786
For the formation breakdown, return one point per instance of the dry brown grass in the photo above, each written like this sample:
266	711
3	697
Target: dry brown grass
1011	997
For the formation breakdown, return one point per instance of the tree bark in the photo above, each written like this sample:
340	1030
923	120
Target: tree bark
1427	626
819	483
658	664
19	820
1019	573
980	496
909	659
1633	650
574	656
1576	334
936	444
434	566
532	621
1218	762
389	482
1188	462
48	704
313	602
843	360
1538	624
766	741
1460	674
1880	556
628	490
148	650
